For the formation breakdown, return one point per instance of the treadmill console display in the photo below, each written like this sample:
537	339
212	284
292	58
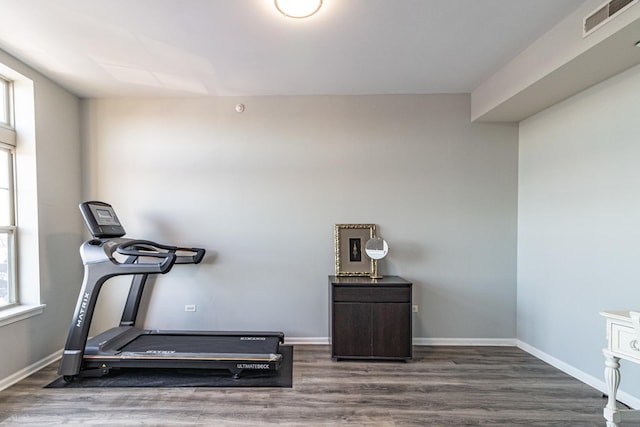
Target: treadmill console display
101	219
105	217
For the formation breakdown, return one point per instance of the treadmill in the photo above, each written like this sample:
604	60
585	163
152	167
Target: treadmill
109	254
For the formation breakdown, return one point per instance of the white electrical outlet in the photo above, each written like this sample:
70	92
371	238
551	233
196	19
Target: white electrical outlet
415	308
190	307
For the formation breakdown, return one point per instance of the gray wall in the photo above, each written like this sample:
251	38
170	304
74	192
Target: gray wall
263	189
578	233
56	233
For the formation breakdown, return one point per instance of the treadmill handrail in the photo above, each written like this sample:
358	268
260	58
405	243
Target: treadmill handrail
163	267
148	248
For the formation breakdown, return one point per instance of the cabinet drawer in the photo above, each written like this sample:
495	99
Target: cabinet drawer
624	340
371	294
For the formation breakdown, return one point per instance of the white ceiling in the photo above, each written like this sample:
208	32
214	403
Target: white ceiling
109	48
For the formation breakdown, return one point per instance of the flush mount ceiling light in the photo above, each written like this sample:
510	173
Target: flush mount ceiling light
298	8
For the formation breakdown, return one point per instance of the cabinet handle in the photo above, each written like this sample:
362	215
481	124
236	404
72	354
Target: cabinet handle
634	345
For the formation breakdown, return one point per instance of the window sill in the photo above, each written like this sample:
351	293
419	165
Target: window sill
20	312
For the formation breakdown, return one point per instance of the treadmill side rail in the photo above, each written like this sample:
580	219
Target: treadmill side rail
245	357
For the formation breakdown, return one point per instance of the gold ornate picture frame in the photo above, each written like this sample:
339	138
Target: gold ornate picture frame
351	259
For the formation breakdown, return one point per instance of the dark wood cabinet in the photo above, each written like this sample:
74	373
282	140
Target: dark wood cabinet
370	318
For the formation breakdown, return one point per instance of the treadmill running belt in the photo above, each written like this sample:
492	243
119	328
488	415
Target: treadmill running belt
202	344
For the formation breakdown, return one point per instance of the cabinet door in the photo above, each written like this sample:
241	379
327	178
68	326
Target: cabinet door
351	329
392	330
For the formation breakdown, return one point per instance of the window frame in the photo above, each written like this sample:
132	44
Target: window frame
6	102
8	144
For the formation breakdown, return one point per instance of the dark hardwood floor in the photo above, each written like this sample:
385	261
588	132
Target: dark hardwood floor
442	386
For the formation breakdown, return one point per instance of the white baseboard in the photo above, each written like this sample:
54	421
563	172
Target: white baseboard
307	340
29	370
590	380
502	342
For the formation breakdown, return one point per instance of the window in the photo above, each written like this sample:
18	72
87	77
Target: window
19	253
5	100
8	288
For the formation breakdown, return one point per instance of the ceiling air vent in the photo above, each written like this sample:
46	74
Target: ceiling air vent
604	13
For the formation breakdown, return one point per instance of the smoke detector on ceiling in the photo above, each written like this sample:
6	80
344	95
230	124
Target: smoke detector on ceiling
604	13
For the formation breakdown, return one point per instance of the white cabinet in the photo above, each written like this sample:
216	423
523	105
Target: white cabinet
623	342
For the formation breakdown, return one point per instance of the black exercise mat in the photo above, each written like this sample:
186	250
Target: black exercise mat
188	377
